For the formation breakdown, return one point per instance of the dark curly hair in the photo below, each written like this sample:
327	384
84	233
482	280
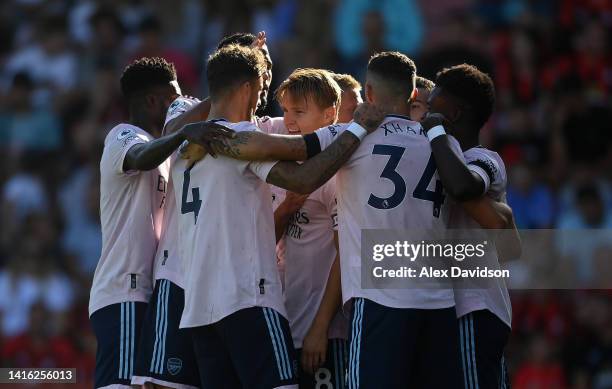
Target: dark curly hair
473	88
145	73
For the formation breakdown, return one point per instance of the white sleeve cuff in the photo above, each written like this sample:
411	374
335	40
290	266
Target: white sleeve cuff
435	132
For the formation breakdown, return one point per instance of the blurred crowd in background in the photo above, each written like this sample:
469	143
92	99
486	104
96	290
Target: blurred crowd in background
60	61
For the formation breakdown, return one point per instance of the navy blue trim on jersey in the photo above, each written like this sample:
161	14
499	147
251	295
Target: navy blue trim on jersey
486	167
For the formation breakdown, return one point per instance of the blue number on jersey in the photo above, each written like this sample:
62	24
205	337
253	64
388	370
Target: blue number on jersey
421	191
395	154
193	205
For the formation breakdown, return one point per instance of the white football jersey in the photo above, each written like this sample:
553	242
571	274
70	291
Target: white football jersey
131	213
226	233
488	165
168	263
276	125
310	253
383	186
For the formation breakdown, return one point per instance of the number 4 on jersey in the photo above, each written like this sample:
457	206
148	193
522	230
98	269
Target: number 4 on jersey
421	191
195	203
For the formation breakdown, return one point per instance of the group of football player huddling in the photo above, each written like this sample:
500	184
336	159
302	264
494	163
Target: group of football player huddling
231	250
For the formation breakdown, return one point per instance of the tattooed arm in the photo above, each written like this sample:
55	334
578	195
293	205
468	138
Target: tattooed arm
258	146
307	177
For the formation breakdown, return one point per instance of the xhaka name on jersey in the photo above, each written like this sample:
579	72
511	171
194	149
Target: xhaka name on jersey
396	128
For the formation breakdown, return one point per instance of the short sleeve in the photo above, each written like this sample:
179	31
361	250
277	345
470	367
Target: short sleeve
119	144
328	134
274	125
486	167
262	168
179	106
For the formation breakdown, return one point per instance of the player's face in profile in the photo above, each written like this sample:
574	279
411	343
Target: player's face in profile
348	103
160	99
438	102
418	107
256	90
304	116
263	99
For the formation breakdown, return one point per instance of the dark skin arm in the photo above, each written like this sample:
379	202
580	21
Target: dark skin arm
459	182
468	187
148	156
509	246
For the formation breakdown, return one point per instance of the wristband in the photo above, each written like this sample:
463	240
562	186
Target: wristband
313	145
357	130
435	132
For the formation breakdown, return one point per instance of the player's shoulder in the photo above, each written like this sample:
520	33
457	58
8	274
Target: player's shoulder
333	130
271	125
489	160
124	133
483	154
237	126
181	104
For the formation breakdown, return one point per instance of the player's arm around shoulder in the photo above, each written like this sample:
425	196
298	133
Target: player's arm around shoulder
459	181
314	172
184	111
149	155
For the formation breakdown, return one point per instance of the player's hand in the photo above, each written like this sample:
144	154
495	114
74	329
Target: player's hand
260	40
203	133
191	152
433	119
314	349
293	202
368	116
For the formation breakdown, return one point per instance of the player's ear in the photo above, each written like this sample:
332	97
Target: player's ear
330	113
150	99
413	95
455	115
369	93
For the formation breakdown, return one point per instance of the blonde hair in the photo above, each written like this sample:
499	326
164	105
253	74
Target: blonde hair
317	84
346	82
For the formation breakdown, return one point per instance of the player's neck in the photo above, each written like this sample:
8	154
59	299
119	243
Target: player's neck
145	122
396	108
467	138
229	110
